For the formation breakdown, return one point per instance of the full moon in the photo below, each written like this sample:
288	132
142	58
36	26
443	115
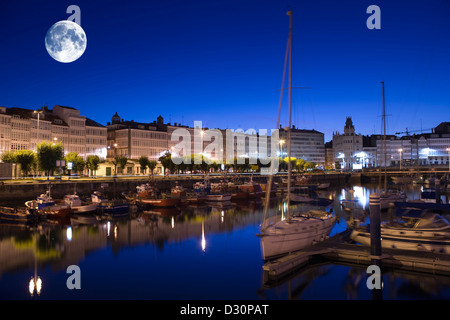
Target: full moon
65	41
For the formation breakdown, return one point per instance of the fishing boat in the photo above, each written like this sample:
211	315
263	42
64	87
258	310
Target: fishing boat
117	207
98	197
46	205
416	230
160	202
295	232
18	215
78	206
253	189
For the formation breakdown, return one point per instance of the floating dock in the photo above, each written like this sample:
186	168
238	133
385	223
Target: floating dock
337	250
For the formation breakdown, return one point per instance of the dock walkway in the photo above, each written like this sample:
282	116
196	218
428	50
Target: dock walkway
338	250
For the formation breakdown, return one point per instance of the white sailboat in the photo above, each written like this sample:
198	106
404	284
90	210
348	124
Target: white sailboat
295	232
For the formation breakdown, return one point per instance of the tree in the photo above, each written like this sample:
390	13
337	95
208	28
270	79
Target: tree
92	162
25	158
152	165
8	157
47	155
166	161
78	162
121	162
143	162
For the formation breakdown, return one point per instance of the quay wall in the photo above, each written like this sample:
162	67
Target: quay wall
17	190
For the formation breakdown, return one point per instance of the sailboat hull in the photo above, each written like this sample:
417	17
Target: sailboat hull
285	237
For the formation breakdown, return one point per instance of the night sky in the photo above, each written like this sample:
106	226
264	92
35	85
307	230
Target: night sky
221	62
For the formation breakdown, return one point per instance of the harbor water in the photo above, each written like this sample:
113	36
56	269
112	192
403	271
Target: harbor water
194	252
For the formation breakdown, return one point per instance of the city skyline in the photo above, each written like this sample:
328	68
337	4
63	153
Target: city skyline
221	63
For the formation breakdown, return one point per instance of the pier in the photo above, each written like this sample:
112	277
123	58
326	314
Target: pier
337	250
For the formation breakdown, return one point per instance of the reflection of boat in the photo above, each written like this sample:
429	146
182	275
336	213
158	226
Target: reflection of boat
18	215
296	233
387	199
402	179
423	231
323	186
78	206
169	211
83	219
217	197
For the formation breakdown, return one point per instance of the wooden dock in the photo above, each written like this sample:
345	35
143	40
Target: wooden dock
337	250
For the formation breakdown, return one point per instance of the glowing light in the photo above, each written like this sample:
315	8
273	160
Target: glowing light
69	233
203	237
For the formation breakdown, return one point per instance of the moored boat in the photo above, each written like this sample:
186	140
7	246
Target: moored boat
295	233
160	202
417	230
18	215
78	206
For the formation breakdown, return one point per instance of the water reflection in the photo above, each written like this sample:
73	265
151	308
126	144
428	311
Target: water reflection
182	237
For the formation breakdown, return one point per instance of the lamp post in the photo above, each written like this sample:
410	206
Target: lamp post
448	150
38	118
401	158
281	147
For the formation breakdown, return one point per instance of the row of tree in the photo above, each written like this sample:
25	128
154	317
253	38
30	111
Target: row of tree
46	157
198	162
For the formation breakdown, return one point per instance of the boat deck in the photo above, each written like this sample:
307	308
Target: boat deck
336	249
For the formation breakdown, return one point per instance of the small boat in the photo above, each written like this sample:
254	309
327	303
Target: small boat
428	195
178	192
254	189
160	202
296	233
98	197
114	207
45	204
78	206
19	215
416	230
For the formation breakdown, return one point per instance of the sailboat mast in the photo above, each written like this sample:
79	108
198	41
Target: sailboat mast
384	139
289	13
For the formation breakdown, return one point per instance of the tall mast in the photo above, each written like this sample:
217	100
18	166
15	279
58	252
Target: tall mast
289	13
384	139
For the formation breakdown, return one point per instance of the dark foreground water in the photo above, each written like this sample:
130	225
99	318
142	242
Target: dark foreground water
208	252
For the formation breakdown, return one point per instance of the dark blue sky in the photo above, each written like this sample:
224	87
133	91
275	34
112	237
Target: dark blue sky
221	62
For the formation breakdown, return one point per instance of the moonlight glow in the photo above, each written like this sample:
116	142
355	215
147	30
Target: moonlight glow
65	41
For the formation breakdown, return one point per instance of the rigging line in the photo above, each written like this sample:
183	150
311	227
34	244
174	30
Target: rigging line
269	183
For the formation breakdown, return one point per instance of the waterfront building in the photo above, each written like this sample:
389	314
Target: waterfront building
135	139
348	147
306	144
22	129
423	149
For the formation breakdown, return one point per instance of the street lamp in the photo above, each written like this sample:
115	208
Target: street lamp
400	150
448	150
281	147
38	118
